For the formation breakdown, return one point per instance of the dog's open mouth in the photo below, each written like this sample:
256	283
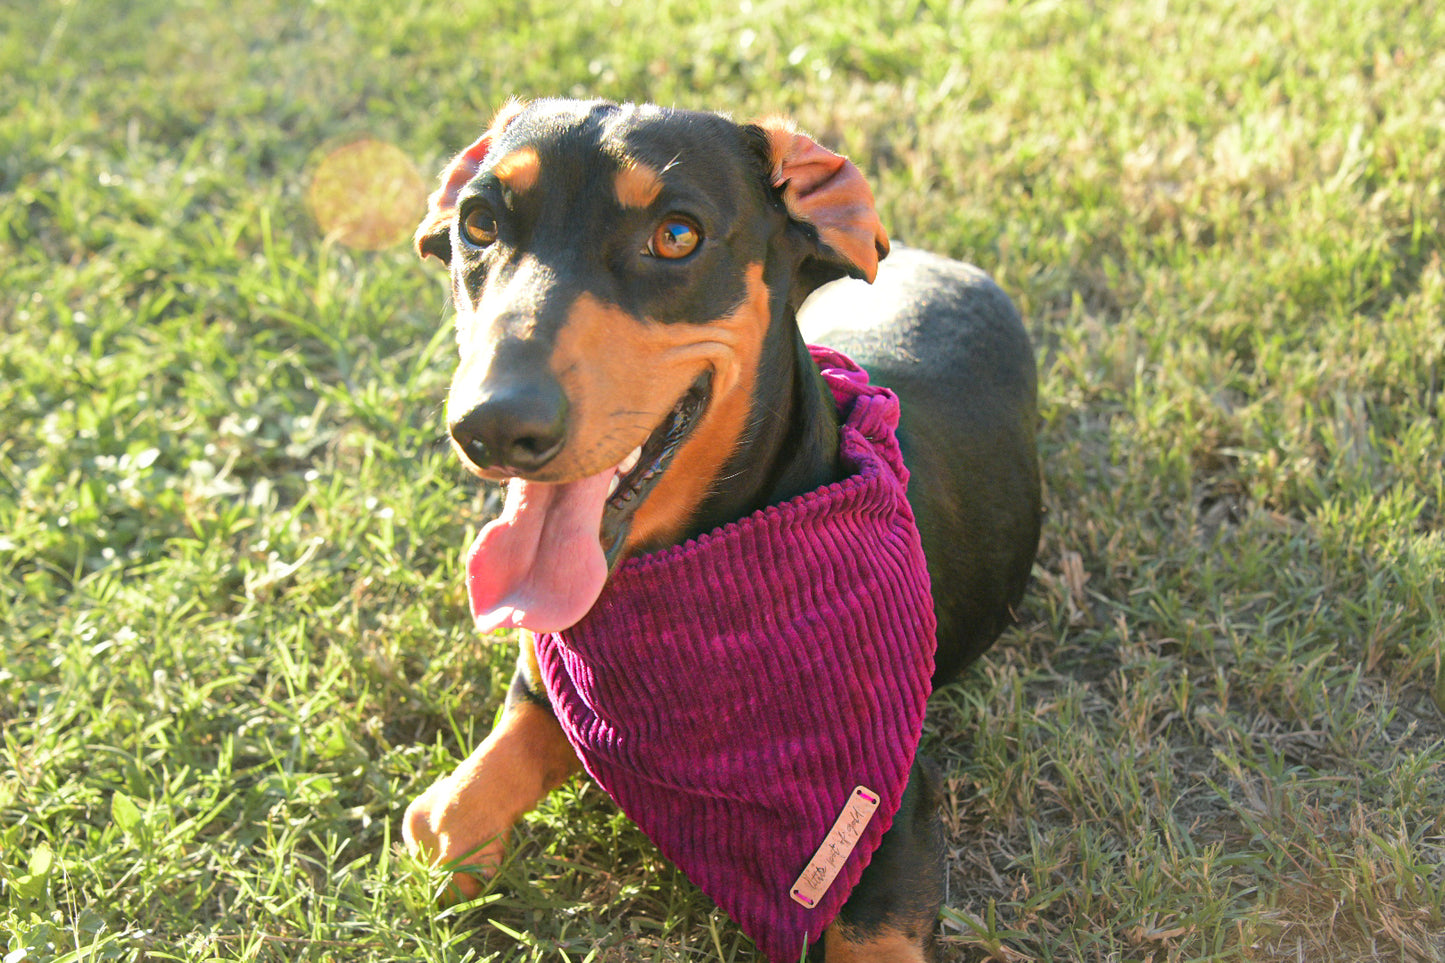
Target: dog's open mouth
641	470
541	564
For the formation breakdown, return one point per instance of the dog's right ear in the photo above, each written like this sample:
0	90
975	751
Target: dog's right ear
828	196
434	235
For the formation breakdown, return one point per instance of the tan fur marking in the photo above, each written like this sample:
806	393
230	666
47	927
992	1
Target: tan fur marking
468	815
842	945
637	185
519	169
623	375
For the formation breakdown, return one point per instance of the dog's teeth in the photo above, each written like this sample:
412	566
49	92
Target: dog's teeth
612	485
630	462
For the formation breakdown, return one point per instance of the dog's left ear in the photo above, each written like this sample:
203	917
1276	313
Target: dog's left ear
828	194
434	236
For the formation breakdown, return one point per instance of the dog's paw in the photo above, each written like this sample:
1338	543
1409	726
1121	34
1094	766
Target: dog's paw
462	822
441	827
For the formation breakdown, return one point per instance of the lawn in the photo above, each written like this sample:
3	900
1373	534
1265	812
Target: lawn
235	641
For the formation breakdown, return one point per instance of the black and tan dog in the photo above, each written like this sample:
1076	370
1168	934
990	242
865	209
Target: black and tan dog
629	284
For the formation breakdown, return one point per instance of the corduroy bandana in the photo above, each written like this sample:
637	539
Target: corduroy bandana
731	692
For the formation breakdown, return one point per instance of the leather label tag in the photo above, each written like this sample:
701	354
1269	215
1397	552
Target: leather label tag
826	863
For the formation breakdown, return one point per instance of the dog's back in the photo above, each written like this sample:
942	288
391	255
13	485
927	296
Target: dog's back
951	344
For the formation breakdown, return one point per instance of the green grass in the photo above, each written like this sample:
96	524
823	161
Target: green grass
235	639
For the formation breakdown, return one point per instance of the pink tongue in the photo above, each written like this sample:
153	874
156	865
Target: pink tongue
539	565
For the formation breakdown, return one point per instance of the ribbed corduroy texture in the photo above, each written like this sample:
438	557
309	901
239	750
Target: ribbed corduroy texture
729	693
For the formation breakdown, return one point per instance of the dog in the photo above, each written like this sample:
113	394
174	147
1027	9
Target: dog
636	288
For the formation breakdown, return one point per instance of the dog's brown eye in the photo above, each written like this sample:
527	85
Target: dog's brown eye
676	237
479	228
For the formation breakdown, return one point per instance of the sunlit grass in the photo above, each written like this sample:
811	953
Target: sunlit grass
235	639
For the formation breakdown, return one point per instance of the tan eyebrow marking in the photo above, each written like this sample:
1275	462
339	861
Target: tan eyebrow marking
519	169
637	185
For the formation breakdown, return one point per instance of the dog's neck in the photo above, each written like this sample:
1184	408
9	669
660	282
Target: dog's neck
790	445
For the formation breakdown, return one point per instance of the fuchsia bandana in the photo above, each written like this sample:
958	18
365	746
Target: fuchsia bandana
729	693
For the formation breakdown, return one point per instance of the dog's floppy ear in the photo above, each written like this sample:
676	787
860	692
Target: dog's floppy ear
434	236
828	193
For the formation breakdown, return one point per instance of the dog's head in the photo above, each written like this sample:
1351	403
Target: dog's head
615	271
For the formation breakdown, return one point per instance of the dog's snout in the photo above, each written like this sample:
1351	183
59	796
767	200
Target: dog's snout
520	426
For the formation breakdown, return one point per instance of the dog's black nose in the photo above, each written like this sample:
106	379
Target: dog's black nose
518	426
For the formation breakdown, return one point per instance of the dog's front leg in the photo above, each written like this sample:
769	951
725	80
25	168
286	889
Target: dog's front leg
464	818
893	911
